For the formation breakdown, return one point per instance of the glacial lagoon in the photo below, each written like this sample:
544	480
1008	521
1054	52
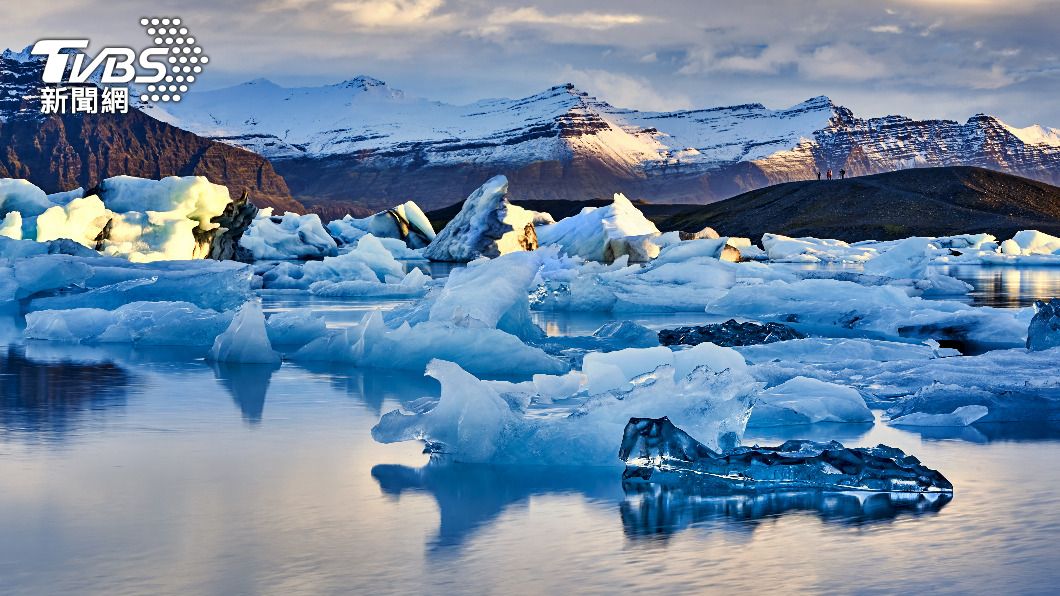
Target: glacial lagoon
136	470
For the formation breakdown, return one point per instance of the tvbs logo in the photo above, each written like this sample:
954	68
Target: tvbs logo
161	72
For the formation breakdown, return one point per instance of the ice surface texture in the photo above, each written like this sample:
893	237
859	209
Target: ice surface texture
477	421
486	226
291	236
406	222
730	333
656	451
588	233
140	219
246	340
1044	331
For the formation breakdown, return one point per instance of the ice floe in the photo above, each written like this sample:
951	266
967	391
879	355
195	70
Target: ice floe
588	233
290	236
478	421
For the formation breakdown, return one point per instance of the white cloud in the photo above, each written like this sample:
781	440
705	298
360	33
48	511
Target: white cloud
625	91
893	29
502	18
391	13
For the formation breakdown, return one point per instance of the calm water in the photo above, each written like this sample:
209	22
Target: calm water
149	471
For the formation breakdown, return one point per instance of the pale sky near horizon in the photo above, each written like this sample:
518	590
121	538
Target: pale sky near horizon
920	58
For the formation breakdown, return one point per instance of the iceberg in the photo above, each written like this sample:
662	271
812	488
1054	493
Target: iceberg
136	218
144	323
23	196
802	400
406	223
368	261
962	416
910	259
781	248
246	340
831	306
1044	330
473	422
216	285
288	237
589	233
413	285
658	452
295	327
486	226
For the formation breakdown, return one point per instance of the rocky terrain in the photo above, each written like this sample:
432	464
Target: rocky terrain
63	152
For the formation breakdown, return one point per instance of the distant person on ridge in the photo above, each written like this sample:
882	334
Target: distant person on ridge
842	174
818	175
829	173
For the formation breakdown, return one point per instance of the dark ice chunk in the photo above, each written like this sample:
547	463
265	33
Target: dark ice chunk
656	451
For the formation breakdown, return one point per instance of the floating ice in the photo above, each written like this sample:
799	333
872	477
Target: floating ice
245	340
962	416
806	401
369	261
140	219
1044	330
472	422
813	250
487	226
295	327
885	311
145	323
288	237
729	333
657	452
484	351
406	222
588	233
217	285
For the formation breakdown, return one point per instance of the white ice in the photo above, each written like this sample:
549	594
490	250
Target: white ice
246	340
288	237
588	233
473	422
803	400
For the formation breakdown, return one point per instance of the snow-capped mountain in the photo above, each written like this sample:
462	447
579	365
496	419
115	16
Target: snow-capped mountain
362	142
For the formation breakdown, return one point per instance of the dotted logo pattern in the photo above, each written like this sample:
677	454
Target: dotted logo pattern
185	60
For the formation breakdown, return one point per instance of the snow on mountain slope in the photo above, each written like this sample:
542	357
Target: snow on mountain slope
362	143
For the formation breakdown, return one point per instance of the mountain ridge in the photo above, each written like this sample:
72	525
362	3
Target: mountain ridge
892	205
367	145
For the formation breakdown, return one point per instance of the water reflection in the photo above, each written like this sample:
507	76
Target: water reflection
1007	287
374	387
653	511
471	497
50	398
247	384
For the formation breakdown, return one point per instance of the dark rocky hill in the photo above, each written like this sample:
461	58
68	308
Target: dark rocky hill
914	202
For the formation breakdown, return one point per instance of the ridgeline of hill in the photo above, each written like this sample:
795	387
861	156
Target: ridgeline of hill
914	202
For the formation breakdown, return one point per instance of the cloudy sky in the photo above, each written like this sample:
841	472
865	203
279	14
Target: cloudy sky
922	58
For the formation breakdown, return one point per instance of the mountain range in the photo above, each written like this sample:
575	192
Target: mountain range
63	152
361	146
361	143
